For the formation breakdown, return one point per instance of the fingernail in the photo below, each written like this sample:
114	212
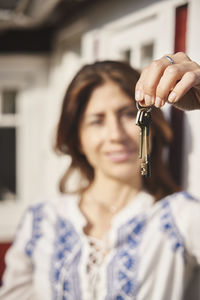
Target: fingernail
148	100
158	102
138	95
142	103
172	97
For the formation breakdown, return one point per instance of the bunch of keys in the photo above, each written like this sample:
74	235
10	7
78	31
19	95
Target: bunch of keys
143	120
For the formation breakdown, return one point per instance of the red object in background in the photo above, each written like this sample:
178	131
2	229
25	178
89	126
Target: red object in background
177	116
181	28
3	249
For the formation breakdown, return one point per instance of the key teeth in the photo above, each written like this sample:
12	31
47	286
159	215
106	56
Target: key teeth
145	169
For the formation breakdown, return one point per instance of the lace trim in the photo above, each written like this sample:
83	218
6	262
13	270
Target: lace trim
97	252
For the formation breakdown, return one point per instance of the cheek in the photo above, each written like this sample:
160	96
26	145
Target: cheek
133	132
89	143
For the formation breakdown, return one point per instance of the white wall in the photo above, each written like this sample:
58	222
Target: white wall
59	77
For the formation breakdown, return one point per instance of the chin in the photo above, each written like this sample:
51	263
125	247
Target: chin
124	175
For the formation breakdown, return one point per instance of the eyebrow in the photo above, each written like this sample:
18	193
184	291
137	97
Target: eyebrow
127	107
122	109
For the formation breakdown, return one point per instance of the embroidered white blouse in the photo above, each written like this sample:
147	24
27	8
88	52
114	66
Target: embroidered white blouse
152	252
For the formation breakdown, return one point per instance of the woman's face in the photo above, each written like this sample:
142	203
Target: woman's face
109	137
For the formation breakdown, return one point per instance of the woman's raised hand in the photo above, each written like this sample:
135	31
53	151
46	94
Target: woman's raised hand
167	80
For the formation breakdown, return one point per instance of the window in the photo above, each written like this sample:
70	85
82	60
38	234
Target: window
9	101
146	54
126	55
8	113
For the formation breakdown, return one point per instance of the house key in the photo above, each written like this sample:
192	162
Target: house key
143	120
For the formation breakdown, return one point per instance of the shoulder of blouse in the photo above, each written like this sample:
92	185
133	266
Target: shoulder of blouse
182	201
186	212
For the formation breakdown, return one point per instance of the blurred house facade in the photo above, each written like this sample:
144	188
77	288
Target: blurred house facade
39	54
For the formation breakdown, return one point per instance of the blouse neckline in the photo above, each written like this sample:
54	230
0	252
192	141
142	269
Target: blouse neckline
139	204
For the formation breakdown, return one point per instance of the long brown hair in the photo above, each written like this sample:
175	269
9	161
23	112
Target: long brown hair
75	100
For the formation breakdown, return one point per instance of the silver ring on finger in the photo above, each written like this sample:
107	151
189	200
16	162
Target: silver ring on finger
170	59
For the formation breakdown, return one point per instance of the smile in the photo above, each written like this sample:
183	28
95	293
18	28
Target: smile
119	156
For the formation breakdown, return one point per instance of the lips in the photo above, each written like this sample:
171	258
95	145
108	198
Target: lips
120	156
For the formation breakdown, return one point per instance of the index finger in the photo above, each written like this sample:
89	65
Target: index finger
149	79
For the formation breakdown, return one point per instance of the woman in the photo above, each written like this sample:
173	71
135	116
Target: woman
118	236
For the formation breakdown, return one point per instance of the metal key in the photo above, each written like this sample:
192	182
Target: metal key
145	166
139	122
143	120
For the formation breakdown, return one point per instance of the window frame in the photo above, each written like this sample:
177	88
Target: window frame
23	73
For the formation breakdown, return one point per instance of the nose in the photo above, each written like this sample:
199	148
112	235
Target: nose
116	131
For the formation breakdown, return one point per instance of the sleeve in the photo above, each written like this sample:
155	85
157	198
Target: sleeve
17	278
187	213
193	233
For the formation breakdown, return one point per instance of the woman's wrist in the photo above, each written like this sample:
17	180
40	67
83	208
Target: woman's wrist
190	101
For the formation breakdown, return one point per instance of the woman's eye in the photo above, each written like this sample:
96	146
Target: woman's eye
130	113
96	122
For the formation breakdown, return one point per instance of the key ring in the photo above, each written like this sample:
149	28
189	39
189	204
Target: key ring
143	108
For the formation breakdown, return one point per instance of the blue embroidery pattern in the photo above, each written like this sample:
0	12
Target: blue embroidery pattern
122	270
190	197
37	212
65	260
168	226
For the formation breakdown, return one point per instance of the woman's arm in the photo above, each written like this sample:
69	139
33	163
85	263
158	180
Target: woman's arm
174	78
